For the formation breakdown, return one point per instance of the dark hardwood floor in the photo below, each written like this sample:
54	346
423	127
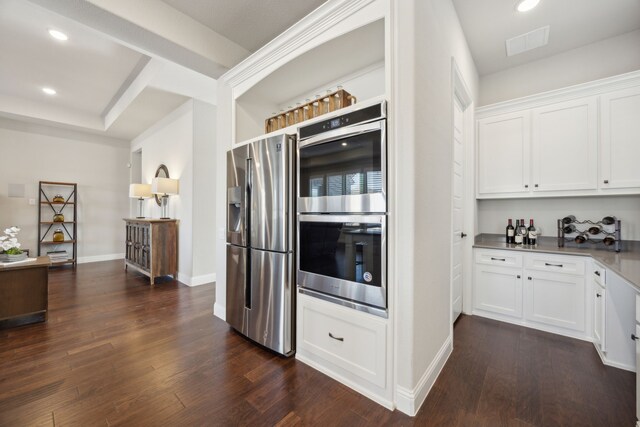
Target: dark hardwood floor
117	352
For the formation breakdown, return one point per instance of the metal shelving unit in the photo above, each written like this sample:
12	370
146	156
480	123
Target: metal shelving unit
47	190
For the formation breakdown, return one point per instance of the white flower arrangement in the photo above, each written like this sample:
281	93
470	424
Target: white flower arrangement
9	242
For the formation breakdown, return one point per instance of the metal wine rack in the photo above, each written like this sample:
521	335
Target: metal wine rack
607	230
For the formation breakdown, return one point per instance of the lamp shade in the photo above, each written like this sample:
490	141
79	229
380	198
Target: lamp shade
137	191
164	186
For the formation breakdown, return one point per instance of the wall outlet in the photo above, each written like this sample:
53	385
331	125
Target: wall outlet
32	202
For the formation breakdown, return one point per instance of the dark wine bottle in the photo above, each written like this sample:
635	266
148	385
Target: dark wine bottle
609	220
569	229
518	234
510	233
595	229
524	232
582	238
608	240
568	219
532	233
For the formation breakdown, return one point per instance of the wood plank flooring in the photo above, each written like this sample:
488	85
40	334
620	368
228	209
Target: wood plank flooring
117	352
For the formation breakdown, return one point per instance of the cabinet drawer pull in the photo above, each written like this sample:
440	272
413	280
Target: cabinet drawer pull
597	273
336	338
634	337
552	265
529	278
497	259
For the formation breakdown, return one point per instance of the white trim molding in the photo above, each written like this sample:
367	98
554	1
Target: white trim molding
196	280
595	87
220	311
98	258
409	401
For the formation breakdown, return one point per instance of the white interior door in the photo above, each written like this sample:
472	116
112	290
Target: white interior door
457	210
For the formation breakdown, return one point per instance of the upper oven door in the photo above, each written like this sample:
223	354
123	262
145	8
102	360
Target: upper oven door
344	170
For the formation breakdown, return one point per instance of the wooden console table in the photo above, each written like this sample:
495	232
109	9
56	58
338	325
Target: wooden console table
152	247
24	290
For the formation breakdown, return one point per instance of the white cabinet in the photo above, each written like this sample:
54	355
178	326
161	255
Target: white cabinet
346	344
620	323
503	153
555	300
599	308
637	356
537	290
619	130
565	146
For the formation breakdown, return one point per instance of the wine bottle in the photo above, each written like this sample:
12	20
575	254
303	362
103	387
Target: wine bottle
595	229
532	233
518	233
568	219
608	240
582	238
568	229
609	220
524	232
509	233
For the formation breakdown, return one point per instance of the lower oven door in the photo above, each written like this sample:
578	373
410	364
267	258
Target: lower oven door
344	258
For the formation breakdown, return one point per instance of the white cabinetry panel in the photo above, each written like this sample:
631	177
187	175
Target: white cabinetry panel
565	146
555	299
620	131
503	153
498	290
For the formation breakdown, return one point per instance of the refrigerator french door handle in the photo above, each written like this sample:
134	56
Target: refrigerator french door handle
247	224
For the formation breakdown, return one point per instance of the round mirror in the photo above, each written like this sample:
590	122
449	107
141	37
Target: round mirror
161	172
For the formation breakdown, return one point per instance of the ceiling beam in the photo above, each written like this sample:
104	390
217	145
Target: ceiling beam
154	29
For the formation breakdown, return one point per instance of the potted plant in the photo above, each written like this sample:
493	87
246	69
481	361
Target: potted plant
10	246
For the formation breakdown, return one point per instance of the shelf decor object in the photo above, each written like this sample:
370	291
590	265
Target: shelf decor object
606	231
62	199
164	187
140	192
332	101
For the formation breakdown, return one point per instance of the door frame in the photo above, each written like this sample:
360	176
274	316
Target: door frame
461	93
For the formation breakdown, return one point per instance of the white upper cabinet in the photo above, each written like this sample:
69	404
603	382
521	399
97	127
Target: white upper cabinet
620	139
565	146
503	154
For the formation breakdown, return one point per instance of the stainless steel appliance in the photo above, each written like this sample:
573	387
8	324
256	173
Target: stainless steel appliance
342	163
342	210
260	287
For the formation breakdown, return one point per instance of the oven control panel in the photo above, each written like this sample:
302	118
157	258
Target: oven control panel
364	115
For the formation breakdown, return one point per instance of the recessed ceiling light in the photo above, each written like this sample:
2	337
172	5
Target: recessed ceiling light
526	5
49	91
58	35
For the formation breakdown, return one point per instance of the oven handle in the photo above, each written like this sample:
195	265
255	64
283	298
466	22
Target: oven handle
365	219
342	133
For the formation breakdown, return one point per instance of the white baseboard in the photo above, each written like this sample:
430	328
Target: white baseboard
98	258
409	401
220	311
196	280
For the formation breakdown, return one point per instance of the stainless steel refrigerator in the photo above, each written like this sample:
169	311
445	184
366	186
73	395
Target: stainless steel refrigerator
260	261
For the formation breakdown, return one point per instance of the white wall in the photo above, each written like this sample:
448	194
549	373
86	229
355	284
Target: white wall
610	57
30	153
428	36
493	214
184	141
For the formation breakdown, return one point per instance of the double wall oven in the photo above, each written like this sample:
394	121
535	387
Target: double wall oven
342	209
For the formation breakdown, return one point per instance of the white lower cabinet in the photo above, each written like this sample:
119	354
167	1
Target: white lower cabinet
542	291
346	344
620	323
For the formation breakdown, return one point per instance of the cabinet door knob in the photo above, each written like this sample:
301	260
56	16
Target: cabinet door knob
518	276
463	235
536	185
598	295
634	337
336	338
606	181
529	278
597	273
526	186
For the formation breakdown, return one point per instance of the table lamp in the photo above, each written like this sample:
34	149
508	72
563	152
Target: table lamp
140	192
165	187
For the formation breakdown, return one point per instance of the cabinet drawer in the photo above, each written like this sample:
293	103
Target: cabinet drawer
499	258
599	275
555	264
349	339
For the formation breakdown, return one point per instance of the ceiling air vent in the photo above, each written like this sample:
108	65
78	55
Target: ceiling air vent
527	41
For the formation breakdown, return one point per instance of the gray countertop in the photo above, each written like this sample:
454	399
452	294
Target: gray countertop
625	263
